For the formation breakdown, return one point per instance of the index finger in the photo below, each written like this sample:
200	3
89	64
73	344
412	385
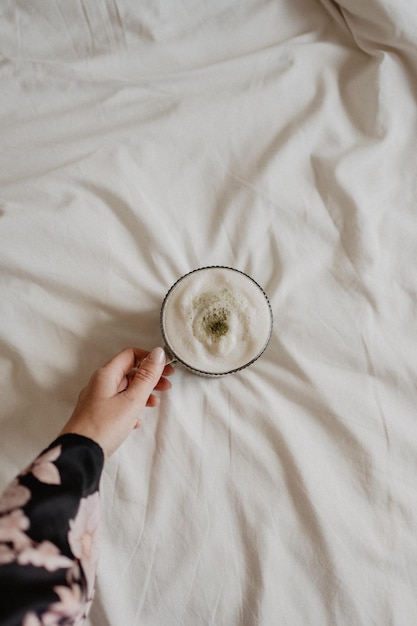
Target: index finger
124	361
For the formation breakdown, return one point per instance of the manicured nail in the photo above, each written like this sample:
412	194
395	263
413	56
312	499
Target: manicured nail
157	355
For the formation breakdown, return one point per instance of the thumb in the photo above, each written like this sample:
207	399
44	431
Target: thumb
147	376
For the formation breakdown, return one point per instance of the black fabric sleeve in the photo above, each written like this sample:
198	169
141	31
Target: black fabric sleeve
49	536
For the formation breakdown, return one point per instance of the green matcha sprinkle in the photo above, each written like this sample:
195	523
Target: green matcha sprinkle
210	313
216	324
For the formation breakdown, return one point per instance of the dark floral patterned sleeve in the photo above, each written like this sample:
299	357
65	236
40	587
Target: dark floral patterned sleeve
49	523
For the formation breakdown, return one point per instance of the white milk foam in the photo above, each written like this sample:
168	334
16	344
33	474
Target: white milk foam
216	320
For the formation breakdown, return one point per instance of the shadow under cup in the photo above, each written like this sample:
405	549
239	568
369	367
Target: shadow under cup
215	321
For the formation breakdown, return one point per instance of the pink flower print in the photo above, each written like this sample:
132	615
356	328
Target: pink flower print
81	619
14	496
70	605
12	527
7	555
83	537
31	620
44	469
44	554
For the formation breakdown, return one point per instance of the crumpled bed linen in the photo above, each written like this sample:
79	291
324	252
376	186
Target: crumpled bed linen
140	141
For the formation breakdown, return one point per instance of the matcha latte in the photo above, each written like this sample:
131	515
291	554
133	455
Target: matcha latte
216	320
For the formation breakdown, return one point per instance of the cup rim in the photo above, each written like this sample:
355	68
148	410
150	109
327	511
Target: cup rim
198	371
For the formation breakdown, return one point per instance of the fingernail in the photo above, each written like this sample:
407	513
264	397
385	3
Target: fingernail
157	355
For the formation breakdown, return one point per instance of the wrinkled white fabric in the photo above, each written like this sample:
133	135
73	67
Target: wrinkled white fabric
140	141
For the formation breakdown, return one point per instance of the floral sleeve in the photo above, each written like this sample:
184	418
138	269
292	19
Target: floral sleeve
49	522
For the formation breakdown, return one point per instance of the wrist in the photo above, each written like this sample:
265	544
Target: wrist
86	432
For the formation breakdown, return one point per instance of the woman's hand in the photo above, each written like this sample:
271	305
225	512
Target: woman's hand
108	408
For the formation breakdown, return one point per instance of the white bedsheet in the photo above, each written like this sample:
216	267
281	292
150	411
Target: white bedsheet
142	140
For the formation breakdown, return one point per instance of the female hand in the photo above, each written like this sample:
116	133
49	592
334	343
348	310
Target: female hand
108	407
